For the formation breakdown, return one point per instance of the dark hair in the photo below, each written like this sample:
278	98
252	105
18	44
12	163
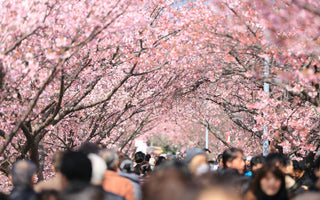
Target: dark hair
255	186
139	157
219	158
147	157
287	160
257	160
229	155
207	150
89	147
126	165
160	160
299	165
274	158
76	166
145	168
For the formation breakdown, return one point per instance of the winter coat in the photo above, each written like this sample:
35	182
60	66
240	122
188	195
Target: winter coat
23	192
134	178
114	183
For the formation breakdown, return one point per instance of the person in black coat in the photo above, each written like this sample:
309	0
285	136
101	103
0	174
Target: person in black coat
22	175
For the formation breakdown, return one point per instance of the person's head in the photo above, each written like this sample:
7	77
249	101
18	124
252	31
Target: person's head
196	159
145	168
147	158
169	181
288	166
227	179
126	165
175	164
248	161
282	161
76	167
299	168
257	162
139	157
207	150
218	192
276	159
98	168
159	160
233	158
220	161
56	161
218	184
89	147
23	172
269	181
111	158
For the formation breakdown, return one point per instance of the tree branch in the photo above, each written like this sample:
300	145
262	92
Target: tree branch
137	129
308	7
25	115
17	43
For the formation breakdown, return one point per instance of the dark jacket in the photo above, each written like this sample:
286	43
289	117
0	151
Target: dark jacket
301	185
23	192
82	190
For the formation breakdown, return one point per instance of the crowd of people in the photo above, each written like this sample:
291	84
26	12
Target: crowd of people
91	173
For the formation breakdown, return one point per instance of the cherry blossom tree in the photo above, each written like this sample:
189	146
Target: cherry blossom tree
230	52
78	71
